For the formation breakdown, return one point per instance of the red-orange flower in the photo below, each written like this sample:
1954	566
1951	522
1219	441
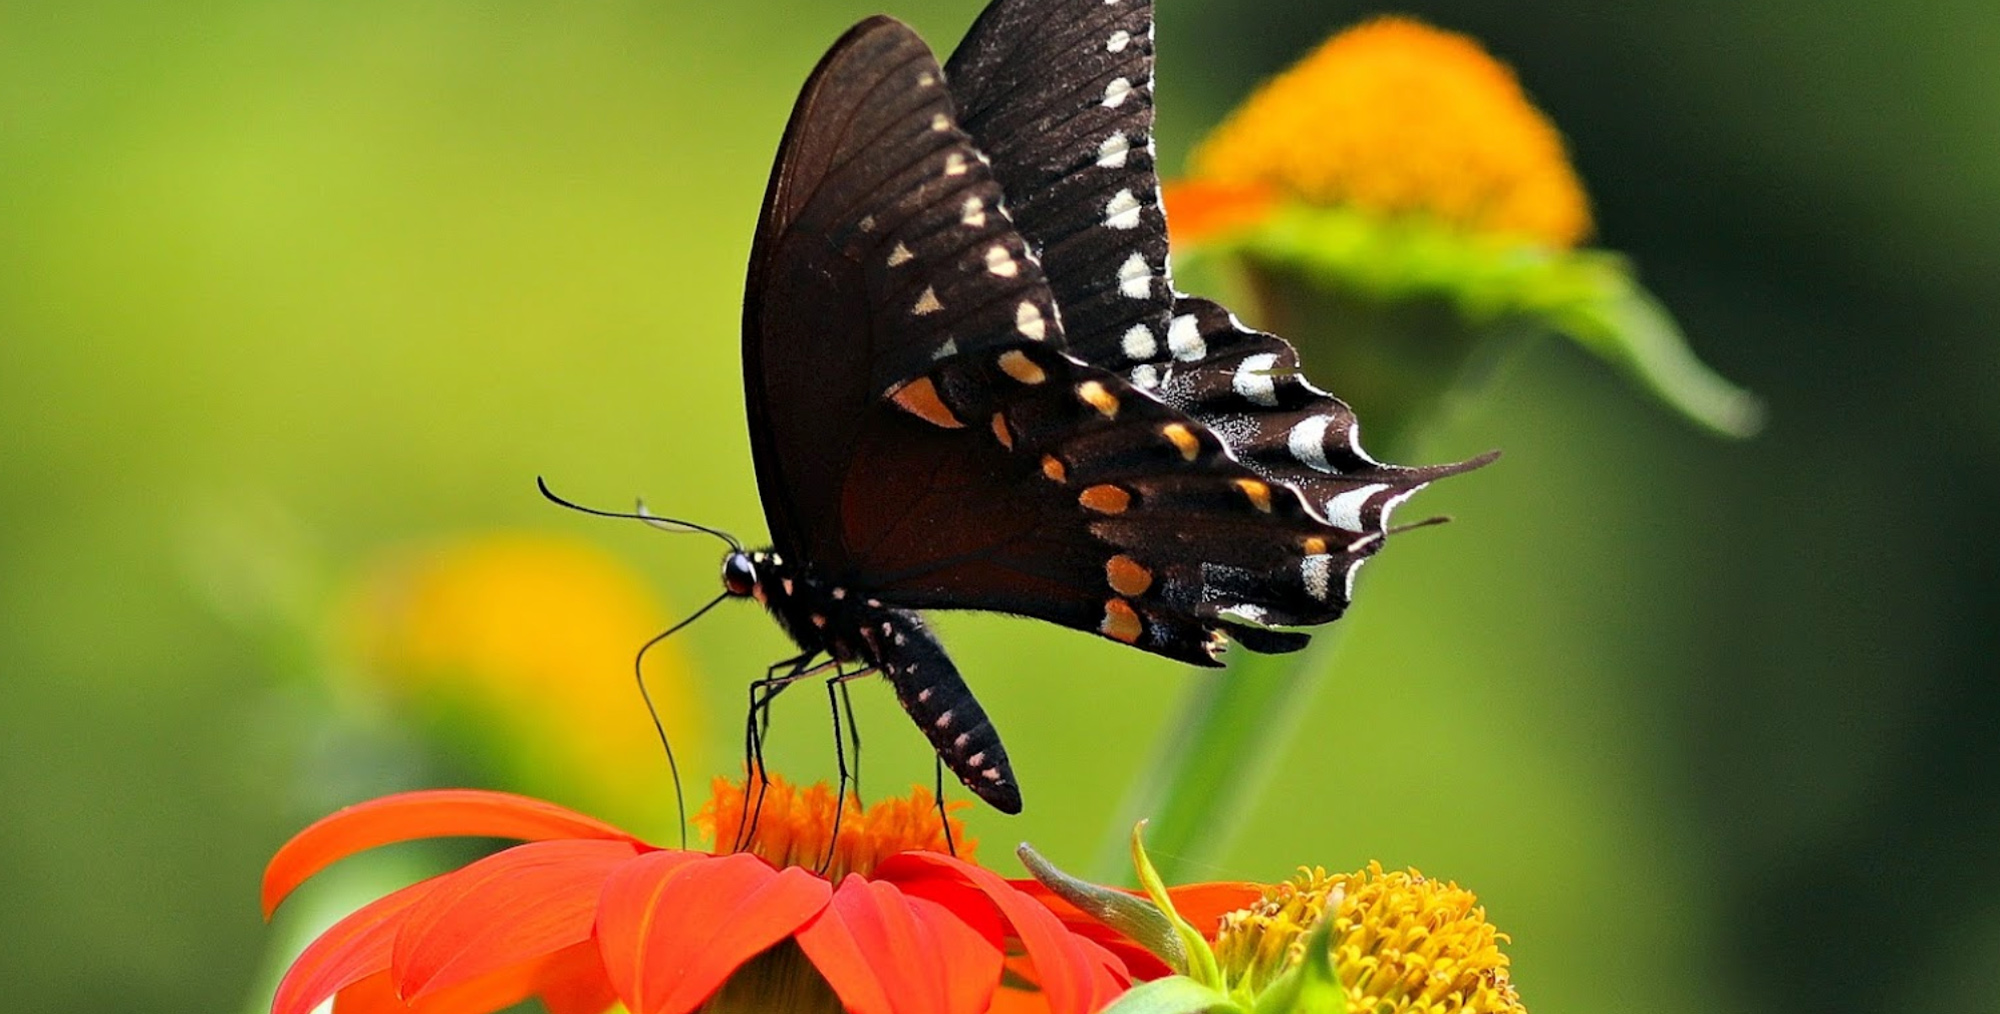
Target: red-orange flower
584	915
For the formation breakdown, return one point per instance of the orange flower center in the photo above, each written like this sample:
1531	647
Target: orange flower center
791	826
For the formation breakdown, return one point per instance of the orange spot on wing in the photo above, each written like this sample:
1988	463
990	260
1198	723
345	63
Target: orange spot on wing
1105	499
1094	395
1126	576
1121	621
1017	365
920	398
1258	493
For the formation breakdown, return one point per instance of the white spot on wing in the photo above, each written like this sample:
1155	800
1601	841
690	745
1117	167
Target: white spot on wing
1307	442
1123	211
1353	569
1317	572
1139	343
1184	339
1135	277
927	303
955	165
1028	320
940	122
1344	511
1145	377
1118	41
1000	262
1111	154
900	255
1394	502
1116	92
1253	380
973	213
1246	612
1354	443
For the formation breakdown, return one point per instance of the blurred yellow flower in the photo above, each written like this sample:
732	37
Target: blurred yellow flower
1400	942
1400	119
520	646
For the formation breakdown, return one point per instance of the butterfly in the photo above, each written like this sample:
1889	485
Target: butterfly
970	383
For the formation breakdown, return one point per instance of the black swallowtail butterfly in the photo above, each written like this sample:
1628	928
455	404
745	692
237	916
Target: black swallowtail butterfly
971	385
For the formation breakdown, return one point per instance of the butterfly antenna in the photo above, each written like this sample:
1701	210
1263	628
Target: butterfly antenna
644	515
653	711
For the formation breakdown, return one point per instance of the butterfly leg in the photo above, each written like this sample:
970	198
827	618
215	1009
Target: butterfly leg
853	734
944	819
756	725
836	691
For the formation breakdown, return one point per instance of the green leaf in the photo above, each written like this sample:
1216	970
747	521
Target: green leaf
1135	918
1174	994
1590	297
1201	964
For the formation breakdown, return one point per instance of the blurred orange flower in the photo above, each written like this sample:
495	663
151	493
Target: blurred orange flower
518	647
1397	118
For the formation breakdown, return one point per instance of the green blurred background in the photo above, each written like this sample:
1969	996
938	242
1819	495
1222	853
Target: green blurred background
1705	724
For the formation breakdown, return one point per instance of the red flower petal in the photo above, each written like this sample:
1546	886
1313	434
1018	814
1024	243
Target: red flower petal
570	981
431	814
885	952
671	930
1075	978
509	909
351	950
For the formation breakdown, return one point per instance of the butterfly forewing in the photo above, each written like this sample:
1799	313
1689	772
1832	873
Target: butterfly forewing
1060	94
883	246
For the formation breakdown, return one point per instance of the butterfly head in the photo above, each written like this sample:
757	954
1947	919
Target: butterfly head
739	573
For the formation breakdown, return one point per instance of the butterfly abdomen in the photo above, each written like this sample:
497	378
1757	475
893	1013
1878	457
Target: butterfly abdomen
929	688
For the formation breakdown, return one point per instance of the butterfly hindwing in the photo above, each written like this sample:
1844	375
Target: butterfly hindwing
1043	486
1247	386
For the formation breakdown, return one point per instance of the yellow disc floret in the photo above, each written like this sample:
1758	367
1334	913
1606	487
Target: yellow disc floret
1400	119
1401	942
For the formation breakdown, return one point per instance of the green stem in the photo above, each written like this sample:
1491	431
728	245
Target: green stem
1218	752
1215	759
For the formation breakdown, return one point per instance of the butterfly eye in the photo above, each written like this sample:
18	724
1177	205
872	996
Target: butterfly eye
739	575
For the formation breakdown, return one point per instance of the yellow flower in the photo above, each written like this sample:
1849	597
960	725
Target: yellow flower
1400	119
1399	942
523	644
